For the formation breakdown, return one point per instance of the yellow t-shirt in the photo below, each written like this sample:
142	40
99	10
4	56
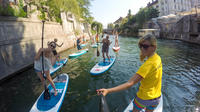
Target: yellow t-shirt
151	71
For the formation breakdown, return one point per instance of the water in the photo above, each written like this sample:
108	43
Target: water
180	85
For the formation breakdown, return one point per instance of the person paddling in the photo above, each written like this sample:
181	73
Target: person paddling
47	65
149	75
105	47
78	43
116	38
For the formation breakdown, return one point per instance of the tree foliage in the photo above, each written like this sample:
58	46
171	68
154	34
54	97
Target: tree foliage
13	11
96	27
110	26
135	22
80	8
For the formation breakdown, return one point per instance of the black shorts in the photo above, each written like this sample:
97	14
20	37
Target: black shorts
54	52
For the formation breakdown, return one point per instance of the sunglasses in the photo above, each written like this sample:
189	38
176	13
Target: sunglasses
144	46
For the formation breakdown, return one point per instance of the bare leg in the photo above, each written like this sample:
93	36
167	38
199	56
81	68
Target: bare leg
58	59
51	81
108	56
103	57
117	43
41	77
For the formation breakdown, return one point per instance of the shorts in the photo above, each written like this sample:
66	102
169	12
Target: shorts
140	104
38	64
105	50
37	71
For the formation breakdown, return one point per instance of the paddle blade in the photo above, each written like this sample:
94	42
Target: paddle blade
103	104
98	53
47	94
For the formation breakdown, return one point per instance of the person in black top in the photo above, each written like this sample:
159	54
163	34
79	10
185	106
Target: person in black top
78	43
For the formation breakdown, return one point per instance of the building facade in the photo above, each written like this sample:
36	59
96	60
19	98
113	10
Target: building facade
153	4
167	7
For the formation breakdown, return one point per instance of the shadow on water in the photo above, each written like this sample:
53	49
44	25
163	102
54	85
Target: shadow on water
17	51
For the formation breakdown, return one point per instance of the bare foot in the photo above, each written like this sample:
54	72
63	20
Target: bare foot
55	93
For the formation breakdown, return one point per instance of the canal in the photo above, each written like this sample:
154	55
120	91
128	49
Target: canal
180	82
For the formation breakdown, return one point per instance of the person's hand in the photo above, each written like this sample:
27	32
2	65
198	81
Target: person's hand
103	91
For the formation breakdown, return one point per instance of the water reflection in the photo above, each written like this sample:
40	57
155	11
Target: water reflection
180	85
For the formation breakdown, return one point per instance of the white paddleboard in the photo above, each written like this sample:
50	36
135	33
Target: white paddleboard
78	53
101	67
159	108
55	102
116	49
58	65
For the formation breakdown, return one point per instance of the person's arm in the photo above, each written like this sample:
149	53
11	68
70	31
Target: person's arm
37	56
59	45
135	79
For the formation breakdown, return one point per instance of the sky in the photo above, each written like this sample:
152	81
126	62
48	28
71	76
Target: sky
108	11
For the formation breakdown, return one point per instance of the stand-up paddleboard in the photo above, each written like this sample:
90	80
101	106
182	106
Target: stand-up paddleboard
159	108
78	53
94	45
116	48
58	65
101	67
55	102
83	45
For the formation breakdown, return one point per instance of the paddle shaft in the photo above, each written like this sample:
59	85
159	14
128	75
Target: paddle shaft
45	86
42	48
103	104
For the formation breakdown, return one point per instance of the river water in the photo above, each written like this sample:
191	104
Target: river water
180	82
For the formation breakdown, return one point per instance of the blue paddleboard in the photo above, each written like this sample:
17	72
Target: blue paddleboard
78	53
58	65
55	102
101	67
94	45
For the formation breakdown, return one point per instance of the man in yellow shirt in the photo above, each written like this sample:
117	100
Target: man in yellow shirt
149	75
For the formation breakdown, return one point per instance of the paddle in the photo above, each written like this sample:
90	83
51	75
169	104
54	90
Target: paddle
103	106
98	51
46	91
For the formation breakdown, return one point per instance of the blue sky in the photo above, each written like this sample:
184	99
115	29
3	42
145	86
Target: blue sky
107	11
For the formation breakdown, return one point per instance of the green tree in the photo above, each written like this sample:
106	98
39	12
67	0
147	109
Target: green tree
151	13
110	26
96	27
129	14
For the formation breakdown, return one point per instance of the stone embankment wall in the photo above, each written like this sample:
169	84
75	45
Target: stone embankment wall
20	39
185	28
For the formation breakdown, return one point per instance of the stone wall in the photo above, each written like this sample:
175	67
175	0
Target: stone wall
20	39
186	28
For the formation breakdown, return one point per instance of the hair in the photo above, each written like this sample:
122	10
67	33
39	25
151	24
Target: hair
151	39
107	36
